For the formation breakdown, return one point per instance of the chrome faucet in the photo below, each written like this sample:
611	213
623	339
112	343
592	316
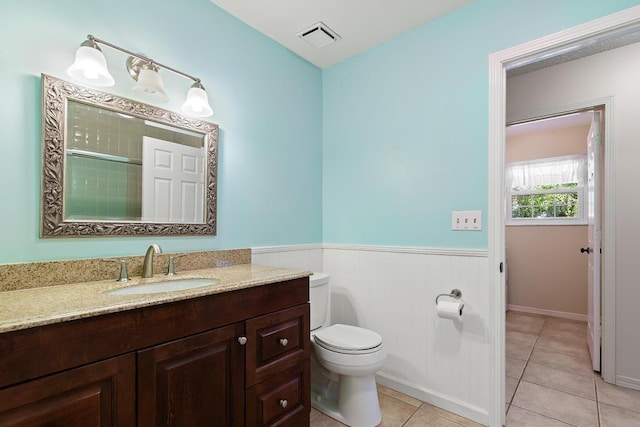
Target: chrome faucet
147	266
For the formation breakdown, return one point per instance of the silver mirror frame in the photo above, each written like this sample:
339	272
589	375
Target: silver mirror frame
55	93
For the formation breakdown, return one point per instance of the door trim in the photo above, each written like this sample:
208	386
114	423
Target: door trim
498	62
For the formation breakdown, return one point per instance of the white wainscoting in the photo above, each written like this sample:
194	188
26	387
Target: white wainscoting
296	257
392	291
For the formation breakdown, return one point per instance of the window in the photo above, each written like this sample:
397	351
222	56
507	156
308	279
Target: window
547	191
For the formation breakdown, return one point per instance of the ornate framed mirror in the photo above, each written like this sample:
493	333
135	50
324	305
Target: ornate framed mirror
112	166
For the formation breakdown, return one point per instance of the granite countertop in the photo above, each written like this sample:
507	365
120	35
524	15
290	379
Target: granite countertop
27	308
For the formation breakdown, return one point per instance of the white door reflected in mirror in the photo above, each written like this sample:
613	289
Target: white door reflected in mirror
172	182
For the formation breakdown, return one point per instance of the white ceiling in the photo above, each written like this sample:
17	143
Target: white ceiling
361	24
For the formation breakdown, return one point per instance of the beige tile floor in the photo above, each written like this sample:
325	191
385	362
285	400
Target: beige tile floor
549	383
401	410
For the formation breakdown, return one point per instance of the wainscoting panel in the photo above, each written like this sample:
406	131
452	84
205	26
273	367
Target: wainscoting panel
296	257
392	291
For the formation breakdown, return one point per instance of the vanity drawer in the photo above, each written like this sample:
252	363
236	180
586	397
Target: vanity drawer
280	400
276	341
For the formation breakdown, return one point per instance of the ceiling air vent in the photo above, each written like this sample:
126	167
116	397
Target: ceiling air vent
319	35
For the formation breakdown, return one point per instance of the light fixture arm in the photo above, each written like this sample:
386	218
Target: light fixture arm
142	57
90	67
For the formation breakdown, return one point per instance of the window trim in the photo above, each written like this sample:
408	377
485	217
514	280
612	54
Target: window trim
580	220
553	221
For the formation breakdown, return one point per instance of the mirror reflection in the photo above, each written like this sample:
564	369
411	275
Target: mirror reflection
113	166
121	167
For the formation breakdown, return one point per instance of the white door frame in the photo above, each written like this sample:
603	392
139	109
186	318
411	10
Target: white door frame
498	63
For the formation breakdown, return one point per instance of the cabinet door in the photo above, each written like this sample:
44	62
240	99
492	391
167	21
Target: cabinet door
194	381
99	394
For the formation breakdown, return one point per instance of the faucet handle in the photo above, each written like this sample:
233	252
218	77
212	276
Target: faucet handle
124	274
171	270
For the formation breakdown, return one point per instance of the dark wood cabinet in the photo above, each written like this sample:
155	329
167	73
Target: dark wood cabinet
232	359
276	341
99	394
193	381
277	373
280	400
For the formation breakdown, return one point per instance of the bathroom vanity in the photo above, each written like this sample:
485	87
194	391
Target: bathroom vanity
232	354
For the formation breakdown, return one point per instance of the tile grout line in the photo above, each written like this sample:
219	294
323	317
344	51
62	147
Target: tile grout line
527	363
597	399
595	385
432	413
522	375
557	419
412	415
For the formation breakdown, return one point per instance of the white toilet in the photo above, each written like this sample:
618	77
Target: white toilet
344	362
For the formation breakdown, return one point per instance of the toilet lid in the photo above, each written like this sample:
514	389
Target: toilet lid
347	338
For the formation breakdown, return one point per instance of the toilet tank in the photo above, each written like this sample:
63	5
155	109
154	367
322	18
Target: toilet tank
318	298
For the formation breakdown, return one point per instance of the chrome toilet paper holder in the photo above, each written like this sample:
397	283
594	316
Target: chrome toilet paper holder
455	293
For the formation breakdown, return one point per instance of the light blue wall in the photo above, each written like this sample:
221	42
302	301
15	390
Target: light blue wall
406	123
267	101
378	149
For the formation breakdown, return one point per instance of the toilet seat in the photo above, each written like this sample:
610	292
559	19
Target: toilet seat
348	339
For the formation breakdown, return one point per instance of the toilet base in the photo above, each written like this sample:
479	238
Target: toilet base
327	406
358	400
356	404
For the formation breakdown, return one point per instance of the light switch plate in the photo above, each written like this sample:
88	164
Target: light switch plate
475	220
466	220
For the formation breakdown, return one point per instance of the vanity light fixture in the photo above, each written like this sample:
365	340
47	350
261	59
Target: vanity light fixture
90	67
148	79
197	103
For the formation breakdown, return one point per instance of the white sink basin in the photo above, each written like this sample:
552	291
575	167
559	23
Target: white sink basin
164	286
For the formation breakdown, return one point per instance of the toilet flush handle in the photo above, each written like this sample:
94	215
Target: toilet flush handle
284	342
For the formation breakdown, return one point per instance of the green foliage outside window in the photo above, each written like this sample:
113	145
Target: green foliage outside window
543	202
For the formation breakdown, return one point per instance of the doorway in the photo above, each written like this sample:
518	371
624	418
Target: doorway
499	62
550	326
549	209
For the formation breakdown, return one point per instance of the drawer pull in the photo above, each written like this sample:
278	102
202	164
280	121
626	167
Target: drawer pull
284	342
242	340
283	403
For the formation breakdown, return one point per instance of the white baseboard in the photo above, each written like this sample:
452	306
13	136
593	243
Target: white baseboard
440	400
552	313
628	382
